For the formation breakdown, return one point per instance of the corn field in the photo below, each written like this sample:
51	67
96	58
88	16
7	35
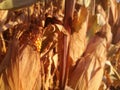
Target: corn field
59	45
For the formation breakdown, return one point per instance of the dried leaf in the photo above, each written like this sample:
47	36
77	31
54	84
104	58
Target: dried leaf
112	50
89	71
96	21
92	26
113	73
55	60
2	44
49	39
24	69
49	74
29	67
2	85
102	12
100	20
78	37
79	18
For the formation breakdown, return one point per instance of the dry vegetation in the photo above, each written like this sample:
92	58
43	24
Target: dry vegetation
57	45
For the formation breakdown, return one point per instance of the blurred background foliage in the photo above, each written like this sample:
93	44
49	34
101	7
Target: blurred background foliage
31	43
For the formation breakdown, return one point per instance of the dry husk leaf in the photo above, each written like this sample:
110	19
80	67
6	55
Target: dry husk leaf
89	71
23	71
78	37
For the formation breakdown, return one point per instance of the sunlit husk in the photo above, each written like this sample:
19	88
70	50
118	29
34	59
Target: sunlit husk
24	69
78	38
89	72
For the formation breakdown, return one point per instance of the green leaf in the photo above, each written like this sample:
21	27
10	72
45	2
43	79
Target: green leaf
14	4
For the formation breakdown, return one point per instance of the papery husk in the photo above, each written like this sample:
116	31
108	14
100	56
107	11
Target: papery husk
24	69
88	73
78	37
